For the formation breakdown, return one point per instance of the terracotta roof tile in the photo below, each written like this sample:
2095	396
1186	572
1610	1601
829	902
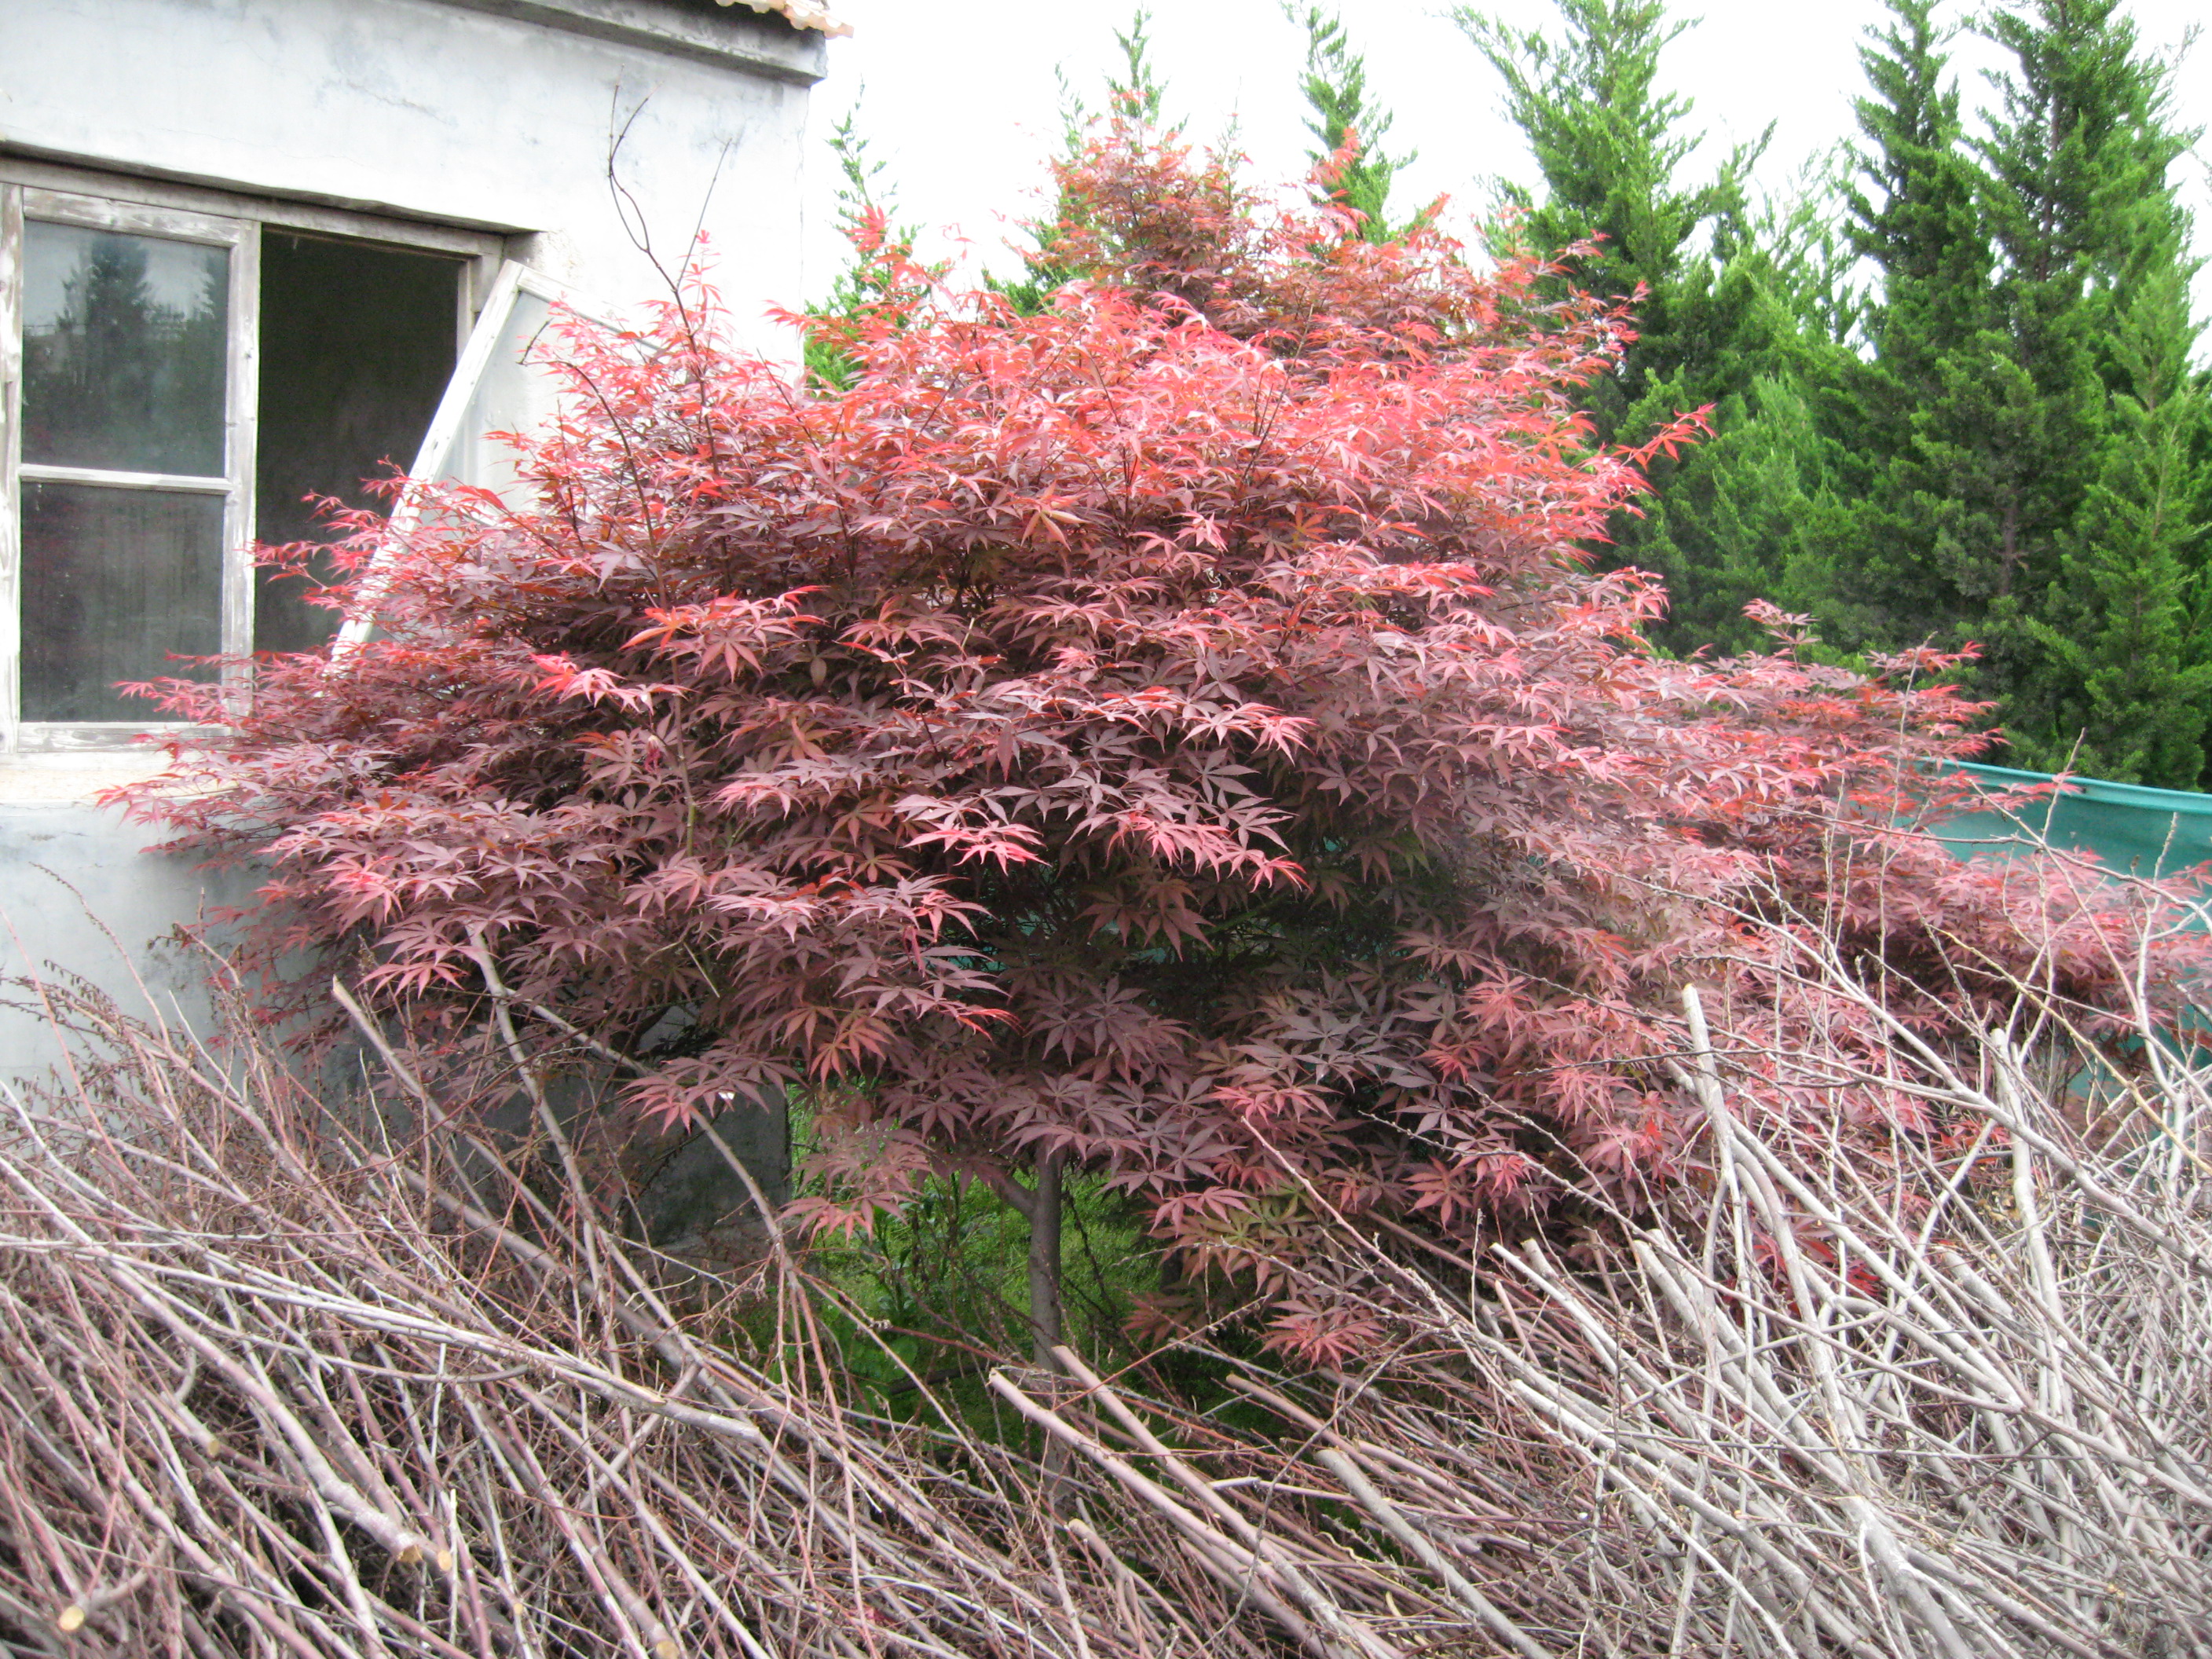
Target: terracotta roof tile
801	13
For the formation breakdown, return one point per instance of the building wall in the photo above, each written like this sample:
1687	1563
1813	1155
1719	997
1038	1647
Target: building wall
80	894
493	114
485	115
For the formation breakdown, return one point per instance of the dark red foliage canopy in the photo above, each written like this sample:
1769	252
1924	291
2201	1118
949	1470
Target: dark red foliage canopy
1178	729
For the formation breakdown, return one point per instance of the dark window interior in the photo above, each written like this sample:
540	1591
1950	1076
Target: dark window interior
357	343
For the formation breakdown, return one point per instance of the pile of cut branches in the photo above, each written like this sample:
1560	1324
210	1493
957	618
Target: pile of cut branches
269	1384
1956	1403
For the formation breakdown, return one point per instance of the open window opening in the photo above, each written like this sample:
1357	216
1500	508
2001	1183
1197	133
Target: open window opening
357	344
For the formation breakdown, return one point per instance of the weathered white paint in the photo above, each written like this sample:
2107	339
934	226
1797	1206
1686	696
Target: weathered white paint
498	114
79	894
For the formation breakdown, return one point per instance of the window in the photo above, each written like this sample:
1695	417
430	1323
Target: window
174	385
133	408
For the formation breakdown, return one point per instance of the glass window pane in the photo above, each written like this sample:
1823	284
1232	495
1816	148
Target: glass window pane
114	580
124	349
517	393
356	346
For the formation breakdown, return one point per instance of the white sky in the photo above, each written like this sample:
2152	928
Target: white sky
962	104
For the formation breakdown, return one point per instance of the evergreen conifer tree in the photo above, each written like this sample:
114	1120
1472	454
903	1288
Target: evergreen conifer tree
1923	231
865	209
2124	676
1923	424
1610	144
1720	323
1137	92
1335	88
2094	569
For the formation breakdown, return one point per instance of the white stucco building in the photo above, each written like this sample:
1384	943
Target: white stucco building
251	249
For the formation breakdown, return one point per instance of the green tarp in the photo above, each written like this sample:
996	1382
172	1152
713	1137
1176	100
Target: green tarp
2147	832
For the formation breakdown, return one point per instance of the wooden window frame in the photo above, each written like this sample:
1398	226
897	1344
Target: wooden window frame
242	332
49	192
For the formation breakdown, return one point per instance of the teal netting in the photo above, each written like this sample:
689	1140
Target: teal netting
2147	832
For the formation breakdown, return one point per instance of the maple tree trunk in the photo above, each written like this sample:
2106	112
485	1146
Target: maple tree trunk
1044	1217
1044	1258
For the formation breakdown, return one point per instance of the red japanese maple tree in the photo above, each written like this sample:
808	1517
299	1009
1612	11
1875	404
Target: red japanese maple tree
1176	733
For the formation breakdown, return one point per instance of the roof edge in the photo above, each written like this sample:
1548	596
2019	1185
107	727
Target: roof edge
798	57
800	13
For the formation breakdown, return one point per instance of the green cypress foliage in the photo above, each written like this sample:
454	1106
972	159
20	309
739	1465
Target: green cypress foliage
2118	660
2025	446
1750	512
1925	425
865	208
1923	231
1610	145
1335	88
1720	322
2095	570
2057	149
2124	678
1137	92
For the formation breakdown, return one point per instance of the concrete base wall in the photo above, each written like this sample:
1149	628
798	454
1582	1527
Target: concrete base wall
80	894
